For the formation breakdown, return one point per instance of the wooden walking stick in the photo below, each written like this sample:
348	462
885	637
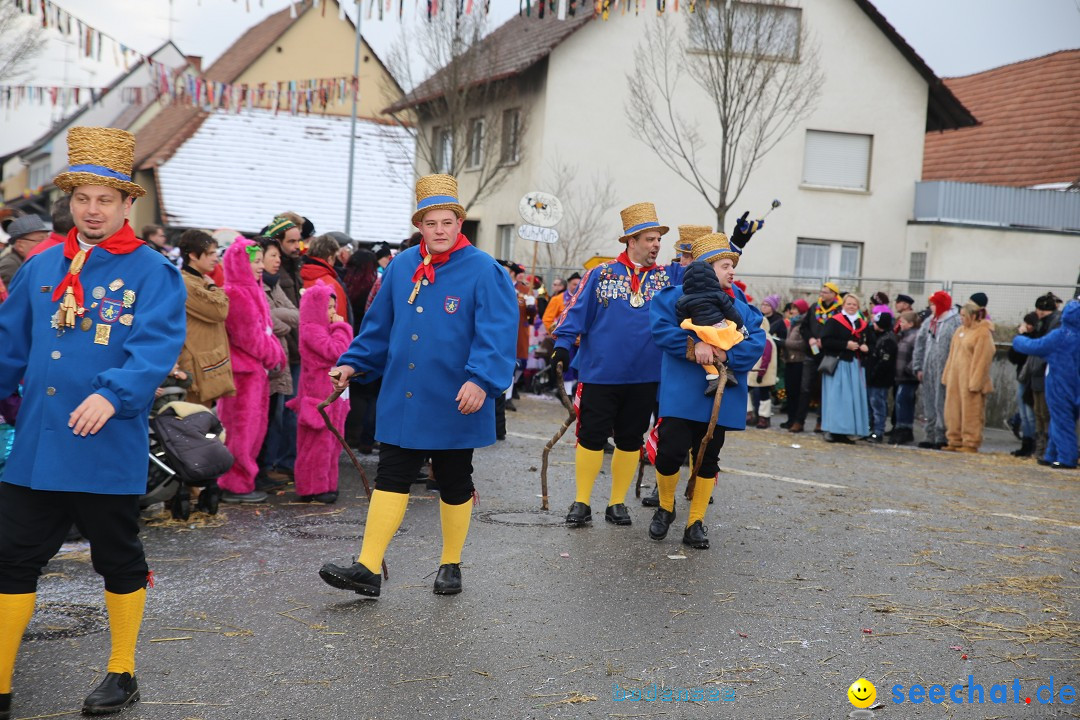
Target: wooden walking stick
571	417
708	433
352	456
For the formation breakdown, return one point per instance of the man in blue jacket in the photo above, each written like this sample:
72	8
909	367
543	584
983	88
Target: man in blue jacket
442	335
685	410
90	327
617	363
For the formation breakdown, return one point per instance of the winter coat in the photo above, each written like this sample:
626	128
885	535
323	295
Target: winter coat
205	357
1061	349
321	344
905	348
291	285
835	336
554	311
1019	359
314	270
932	345
252	343
777	327
10	262
795	347
1035	369
763	374
970	355
682	384
286	320
882	360
812	326
704	300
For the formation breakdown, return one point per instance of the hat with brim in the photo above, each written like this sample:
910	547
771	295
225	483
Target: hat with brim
23	226
639	218
712	247
688	234
100	156
832	286
437	192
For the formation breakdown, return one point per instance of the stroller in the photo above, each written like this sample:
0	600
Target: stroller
187	450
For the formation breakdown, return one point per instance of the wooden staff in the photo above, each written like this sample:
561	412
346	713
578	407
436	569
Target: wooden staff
708	433
356	463
571	417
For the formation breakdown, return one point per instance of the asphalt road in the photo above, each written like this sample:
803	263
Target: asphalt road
828	563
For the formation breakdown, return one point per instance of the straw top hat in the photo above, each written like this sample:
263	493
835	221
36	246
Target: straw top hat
688	234
99	156
437	192
713	247
636	218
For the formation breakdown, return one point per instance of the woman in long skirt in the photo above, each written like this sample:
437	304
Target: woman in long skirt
844	410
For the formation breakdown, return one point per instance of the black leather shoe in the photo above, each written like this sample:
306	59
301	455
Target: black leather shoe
355	577
116	692
617	514
652	499
696	536
5	706
326	498
448	581
580	514
661	521
1044	463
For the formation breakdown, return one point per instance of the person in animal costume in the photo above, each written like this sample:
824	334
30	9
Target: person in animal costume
90	327
441	334
324	336
618	364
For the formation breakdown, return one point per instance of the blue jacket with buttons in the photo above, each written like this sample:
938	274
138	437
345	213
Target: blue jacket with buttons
616	345
682	384
462	327
62	368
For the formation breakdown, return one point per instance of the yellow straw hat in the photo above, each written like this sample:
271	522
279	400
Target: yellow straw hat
713	247
437	192
688	234
636	218
99	156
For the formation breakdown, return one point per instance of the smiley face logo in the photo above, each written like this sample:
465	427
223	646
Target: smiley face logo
862	693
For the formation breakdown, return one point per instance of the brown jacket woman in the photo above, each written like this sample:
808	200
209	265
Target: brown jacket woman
967	380
206	348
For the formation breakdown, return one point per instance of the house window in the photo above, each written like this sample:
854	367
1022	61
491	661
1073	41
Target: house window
442	145
766	31
39	174
917	271
817	260
476	144
511	136
505	242
837	160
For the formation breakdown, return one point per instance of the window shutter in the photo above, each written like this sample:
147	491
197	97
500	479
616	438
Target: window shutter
840	160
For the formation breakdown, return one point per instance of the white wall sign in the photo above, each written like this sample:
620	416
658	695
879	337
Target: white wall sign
540	208
538	234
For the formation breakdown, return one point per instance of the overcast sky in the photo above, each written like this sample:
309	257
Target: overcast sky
955	37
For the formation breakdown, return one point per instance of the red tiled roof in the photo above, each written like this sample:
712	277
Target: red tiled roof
522	42
1029	132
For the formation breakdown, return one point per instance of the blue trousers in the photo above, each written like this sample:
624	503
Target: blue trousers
1026	412
905	404
879	408
279	448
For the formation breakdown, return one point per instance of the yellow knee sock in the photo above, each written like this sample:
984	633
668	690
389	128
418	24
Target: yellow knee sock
702	492
125	619
384	515
623	466
15	612
586	467
665	485
455	528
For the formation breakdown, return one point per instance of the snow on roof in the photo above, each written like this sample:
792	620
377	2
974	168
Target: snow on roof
238	170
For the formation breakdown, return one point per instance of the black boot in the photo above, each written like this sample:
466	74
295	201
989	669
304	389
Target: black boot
617	514
661	521
696	536
712	386
652	499
580	514
448	581
356	577
5	706
116	692
1027	448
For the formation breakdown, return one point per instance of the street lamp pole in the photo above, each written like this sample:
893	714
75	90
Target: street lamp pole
352	125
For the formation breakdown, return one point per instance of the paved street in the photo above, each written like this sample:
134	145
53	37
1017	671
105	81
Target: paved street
828	563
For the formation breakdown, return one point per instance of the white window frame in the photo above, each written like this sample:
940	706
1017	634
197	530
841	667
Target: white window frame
442	146
504	241
40	173
787	54
510	144
475	158
818	156
833	266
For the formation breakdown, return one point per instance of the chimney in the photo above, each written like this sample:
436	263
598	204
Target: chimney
196	62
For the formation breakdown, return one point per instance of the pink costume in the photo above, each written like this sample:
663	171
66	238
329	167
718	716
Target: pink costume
254	350
321	344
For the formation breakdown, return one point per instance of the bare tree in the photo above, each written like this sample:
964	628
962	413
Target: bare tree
587	204
463	120
23	40
760	75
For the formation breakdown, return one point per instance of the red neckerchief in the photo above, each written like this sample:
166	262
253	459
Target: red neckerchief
120	243
729	291
635	278
429	261
842	319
